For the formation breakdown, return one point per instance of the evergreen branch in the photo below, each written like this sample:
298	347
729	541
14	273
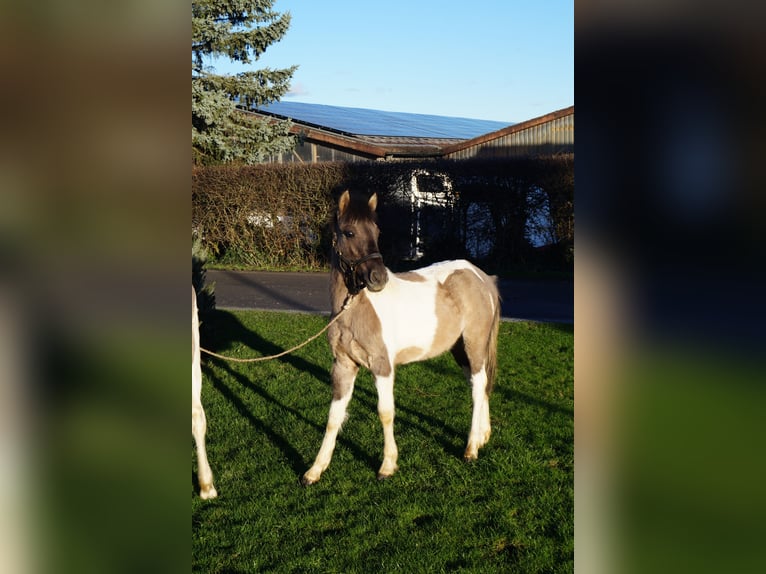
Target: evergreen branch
240	30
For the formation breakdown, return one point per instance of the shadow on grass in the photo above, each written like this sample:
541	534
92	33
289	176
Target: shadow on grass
504	391
516	396
293	456
225	329
298	464
195	476
410	418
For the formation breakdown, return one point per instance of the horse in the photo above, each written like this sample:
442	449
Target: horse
199	422
391	319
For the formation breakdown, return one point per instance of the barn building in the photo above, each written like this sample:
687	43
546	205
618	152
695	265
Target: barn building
334	133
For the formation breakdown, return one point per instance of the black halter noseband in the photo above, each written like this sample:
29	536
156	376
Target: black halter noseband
348	268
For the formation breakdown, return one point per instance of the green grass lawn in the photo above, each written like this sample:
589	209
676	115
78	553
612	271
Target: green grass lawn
510	511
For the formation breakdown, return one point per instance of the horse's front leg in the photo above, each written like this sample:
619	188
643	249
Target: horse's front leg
385	386
343	375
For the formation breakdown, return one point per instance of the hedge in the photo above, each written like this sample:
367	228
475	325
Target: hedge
272	216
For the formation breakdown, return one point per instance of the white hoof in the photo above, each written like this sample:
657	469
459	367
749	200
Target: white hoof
208	492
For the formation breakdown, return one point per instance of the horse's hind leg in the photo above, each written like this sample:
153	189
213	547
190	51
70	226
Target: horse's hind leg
474	367
343	375
480	425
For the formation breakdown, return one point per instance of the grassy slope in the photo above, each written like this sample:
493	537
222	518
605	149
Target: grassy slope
512	510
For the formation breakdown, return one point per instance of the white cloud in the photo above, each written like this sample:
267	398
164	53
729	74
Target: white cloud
297	89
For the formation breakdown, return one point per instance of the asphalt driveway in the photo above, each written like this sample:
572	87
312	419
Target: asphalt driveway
530	300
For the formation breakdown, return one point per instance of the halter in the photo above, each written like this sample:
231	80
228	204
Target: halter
348	267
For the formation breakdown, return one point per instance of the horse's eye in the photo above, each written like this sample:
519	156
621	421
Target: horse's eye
348	234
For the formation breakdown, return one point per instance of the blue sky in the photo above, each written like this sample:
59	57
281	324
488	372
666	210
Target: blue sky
504	60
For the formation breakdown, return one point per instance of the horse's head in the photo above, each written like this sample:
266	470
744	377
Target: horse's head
356	243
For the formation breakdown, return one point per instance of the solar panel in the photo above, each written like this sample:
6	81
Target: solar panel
359	121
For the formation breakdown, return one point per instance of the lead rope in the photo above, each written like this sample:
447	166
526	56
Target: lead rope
346	305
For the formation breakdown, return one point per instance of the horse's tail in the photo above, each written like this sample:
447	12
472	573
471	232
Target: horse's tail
491	366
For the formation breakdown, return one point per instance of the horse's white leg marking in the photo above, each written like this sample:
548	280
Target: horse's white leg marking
343	387
199	422
385	386
335	420
204	474
480	429
486	428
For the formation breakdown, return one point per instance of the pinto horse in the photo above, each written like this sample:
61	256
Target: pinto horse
396	318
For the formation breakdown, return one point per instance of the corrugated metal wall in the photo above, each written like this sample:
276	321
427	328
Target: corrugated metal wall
310	152
554	136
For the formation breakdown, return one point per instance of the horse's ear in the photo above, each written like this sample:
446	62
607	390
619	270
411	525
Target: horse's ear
343	201
373	202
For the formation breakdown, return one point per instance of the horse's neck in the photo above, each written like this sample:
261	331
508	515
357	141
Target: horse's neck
338	290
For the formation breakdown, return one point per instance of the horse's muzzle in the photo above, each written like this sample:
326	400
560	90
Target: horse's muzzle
368	271
376	278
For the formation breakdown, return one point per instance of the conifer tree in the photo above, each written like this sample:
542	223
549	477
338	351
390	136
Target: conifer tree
240	30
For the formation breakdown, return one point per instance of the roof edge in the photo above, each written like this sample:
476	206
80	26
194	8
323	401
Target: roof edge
338	140
348	142
507	131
